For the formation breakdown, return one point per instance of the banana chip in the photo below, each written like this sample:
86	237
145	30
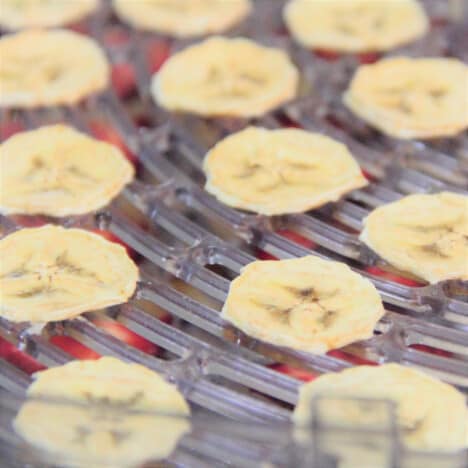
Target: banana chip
49	68
183	18
280	171
304	303
431	415
426	235
113	430
355	25
18	14
58	171
412	98
226	77
51	273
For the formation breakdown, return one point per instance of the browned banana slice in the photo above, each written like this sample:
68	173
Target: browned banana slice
51	273
19	14
109	428
431	415
50	68
412	98
426	235
183	18
226	77
355	25
58	171
304	303
280	171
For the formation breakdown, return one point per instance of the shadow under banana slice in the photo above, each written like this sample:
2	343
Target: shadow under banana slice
226	77
306	303
108	425
52	273
50	68
183	18
281	171
424	234
19	14
355	25
411	97
58	171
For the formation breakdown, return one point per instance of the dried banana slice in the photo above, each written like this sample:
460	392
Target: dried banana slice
355	25
51	273
113	430
304	303
58	171
19	14
412	98
431	415
280	171
426	235
48	68
226	77
183	18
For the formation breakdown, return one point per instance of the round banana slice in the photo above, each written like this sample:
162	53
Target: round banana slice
49	68
412	98
226	77
52	273
355	25
426	235
304	303
58	171
107	425
280	171
183	18
431	415
19	14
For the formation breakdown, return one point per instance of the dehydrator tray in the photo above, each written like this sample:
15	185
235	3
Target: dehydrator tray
189	247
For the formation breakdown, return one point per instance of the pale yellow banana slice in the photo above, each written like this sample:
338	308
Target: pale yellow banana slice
113	430
431	415
426	235
280	171
58	171
51	273
355	25
49	68
304	303
19	14
226	77
412	98
183	18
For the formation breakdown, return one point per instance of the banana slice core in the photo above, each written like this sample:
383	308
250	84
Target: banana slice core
226	77
52	273
304	303
412	98
355	25
426	235
109	428
50	68
183	18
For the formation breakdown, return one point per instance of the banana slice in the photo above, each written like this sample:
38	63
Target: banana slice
58	171
113	429
51	273
431	415
426	235
48	68
280	171
412	98
226	77
183	18
355	25
304	303
19	14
